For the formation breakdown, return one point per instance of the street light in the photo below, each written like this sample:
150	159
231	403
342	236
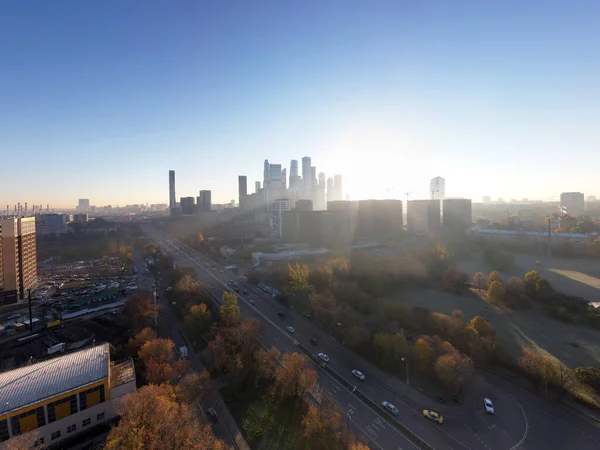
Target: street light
406	366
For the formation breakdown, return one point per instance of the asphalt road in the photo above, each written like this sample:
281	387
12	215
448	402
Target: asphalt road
522	420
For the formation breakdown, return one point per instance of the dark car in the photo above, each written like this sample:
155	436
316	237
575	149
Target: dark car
280	313
313	341
245	292
213	416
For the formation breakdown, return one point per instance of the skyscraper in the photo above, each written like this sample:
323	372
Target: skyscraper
242	190
279	207
437	188
294	168
172	201
256	187
266	175
284	179
83	205
18	259
338	187
306	177
330	189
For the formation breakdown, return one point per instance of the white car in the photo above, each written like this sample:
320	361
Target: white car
358	374
391	408
291	329
323	357
489	406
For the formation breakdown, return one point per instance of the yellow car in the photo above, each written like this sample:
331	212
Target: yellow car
432	415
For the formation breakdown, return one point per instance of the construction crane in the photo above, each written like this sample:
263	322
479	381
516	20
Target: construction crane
407	194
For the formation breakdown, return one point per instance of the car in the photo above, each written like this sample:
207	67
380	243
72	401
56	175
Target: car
221	271
237	290
313	341
323	357
389	407
213	415
280	313
252	302
432	415
291	329
489	406
245	292
358	374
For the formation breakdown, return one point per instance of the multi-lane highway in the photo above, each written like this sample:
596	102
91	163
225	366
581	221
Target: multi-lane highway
522	420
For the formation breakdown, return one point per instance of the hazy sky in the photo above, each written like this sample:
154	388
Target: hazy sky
99	99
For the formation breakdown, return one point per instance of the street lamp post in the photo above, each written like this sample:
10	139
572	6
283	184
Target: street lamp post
405	359
155	320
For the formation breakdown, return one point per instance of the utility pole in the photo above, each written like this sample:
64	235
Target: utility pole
30	314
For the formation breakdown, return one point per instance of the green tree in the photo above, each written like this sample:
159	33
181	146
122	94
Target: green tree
197	321
590	376
298	274
496	293
260	418
390	348
531	279
481	326
493	276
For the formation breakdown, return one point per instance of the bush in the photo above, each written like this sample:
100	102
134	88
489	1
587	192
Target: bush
559	312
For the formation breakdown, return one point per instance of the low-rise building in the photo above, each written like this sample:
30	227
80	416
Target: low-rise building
530	238
63	396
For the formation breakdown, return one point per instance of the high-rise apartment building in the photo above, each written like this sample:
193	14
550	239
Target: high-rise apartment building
437	188
18	258
205	204
280	206
423	216
330	189
306	177
256	187
572	203
293	168
337	188
188	207
379	217
83	205
457	213
242	190
172	198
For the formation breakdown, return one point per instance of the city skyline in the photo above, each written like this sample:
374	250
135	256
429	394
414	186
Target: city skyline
107	99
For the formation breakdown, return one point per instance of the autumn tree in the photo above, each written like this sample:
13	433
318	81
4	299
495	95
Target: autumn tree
531	279
135	343
481	326
266	362
496	293
293	377
298	275
358	446
139	310
197	321
153	419
321	278
322	425
194	386
454	279
160	364
479	280
390	348
325	309
515	285
424	349
260	418
493	276
454	370
229	311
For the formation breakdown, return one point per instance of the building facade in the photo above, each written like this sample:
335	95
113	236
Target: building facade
51	224
279	208
457	213
205	203
437	188
423	216
61	397
188	206
172	198
572	203
242	190
379	217
18	257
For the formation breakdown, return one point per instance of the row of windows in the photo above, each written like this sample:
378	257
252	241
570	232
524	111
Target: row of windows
4	436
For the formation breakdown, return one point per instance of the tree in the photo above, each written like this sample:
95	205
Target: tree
158	356
298	275
229	310
493	276
322	425
152	419
454	370
197	321
481	326
252	277
139	310
543	288
25	441
266	362
531	279
454	279
496	293
515	285
479	280
321	278
293	377
424	349
590	376
260	417
193	387
135	343
358	446
390	348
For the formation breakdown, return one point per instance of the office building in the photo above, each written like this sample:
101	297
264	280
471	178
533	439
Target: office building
284	179
437	188
18	258
457	214
205	203
572	203
80	219
51	224
172	198
242	190
280	206
293	168
256	187
330	190
423	216
83	205
266	175
337	188
379	217
63	396
188	206
306	177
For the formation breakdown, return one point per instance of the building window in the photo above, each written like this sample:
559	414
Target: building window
39	442
55	435
62	408
71	428
91	397
4	430
100	417
86	422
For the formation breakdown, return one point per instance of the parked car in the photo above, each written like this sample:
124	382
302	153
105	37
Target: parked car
390	407
212	415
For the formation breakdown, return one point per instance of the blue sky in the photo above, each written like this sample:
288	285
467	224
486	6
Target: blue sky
100	99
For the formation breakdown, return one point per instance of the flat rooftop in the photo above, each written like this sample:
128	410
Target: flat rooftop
31	384
122	373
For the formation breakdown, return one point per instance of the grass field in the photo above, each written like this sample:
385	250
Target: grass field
574	345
